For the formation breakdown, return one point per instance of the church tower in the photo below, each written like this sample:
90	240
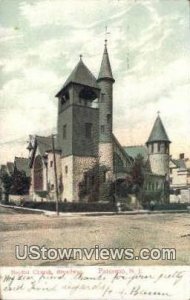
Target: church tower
77	128
158	145
105	82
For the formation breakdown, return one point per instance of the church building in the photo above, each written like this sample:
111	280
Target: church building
85	156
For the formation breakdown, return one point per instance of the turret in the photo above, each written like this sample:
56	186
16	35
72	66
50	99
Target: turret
105	83
158	145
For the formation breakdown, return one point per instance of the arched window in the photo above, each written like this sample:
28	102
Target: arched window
64	98
152	148
38	174
159	146
108	118
166	148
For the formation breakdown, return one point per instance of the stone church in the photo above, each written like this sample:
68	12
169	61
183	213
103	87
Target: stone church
85	147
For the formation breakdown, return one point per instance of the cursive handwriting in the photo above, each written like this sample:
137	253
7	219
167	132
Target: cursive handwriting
131	283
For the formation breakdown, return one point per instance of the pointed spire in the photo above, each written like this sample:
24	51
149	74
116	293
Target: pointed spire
105	69
158	133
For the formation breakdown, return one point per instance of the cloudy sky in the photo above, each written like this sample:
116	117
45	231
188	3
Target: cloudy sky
40	43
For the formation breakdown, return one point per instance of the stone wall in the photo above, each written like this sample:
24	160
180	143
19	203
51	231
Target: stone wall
106	158
73	169
67	178
51	174
80	166
159	163
18	198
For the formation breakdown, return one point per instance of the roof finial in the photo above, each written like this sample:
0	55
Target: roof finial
106	35
80	56
158	112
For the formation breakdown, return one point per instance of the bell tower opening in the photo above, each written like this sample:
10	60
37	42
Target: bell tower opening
87	97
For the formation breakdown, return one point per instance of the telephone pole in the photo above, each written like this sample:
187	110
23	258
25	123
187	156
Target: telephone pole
55	174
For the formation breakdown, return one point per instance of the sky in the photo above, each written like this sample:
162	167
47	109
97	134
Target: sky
148	45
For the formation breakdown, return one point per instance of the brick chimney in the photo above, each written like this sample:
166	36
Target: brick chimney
181	155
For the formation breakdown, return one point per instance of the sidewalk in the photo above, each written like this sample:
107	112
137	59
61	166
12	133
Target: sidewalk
72	214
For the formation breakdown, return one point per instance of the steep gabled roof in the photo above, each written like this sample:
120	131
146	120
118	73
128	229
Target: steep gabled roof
116	144
182	164
3	170
10	167
105	68
173	163
22	164
158	133
80	75
44	145
134	151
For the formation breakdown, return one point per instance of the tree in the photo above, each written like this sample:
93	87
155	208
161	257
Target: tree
7	181
123	186
89	186
20	183
137	173
133	183
93	185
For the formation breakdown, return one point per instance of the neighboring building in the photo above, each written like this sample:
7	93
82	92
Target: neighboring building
20	164
180	178
87	154
3	170
7	169
10	168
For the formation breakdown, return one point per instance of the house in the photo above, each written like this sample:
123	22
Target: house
180	178
21	164
10	171
3	171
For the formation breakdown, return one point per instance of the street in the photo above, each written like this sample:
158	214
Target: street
111	231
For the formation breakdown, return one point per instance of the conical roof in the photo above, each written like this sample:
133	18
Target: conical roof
105	68
158	133
81	75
